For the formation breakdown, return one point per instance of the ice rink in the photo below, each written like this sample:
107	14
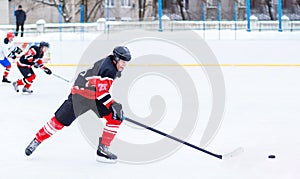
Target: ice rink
261	115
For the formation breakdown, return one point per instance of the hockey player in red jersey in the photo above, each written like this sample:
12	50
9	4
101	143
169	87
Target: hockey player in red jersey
91	92
8	50
33	57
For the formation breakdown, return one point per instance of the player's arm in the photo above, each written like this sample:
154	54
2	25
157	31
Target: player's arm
102	86
103	96
39	64
28	57
16	51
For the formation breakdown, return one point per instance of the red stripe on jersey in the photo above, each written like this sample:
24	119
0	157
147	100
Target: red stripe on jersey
29	54
102	87
83	92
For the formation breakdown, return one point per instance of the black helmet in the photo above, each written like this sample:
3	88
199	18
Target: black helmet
122	52
44	44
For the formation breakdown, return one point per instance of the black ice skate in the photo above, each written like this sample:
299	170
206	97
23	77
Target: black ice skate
5	80
31	147
26	90
104	155
16	86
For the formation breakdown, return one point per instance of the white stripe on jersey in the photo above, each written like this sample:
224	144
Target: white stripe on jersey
108	101
99	77
102	96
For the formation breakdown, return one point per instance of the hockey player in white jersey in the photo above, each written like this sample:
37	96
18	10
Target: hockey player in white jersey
7	50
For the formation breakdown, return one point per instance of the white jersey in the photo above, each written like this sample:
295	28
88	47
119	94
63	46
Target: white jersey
5	49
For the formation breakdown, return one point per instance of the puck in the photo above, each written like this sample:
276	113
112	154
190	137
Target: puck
271	156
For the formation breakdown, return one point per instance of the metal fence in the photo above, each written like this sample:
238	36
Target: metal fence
167	25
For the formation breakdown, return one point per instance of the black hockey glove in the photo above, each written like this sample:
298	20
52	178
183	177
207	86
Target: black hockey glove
47	71
13	56
17	50
35	64
117	111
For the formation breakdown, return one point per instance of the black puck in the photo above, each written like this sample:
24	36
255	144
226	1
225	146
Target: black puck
271	156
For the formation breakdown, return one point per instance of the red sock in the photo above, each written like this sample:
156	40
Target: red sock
6	72
110	130
48	129
27	86
20	82
107	137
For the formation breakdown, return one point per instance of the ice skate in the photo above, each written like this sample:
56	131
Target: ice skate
5	80
26	91
104	155
16	86
31	147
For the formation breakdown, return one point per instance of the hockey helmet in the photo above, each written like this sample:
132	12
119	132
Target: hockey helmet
10	35
121	52
44	44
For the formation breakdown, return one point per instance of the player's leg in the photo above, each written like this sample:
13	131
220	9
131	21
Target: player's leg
22	30
25	71
64	116
50	128
28	82
17	30
108	134
7	66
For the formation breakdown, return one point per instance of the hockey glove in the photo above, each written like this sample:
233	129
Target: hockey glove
47	71
36	65
117	111
17	50
13	56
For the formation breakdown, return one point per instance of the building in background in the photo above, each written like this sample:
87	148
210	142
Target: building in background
144	10
4	18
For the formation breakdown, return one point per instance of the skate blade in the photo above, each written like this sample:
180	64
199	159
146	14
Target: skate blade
105	160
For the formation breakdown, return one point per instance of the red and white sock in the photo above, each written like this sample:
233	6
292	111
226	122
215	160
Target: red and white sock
110	130
6	72
50	128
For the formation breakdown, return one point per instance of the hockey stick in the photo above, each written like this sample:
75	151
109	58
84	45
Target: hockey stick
57	76
224	157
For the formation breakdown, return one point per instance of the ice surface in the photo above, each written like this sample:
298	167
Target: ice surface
262	116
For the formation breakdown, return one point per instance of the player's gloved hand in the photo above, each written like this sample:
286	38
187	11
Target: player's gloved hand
35	64
13	56
117	111
17	50
47	71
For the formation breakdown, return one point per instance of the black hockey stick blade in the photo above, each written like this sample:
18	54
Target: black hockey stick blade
226	156
60	77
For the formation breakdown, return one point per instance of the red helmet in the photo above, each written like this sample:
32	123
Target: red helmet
10	34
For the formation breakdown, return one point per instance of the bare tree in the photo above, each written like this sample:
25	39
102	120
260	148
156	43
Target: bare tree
91	8
174	7
65	12
142	9
180	4
270	8
96	10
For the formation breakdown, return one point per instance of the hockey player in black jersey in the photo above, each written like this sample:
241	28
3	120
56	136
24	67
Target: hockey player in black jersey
91	92
32	58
